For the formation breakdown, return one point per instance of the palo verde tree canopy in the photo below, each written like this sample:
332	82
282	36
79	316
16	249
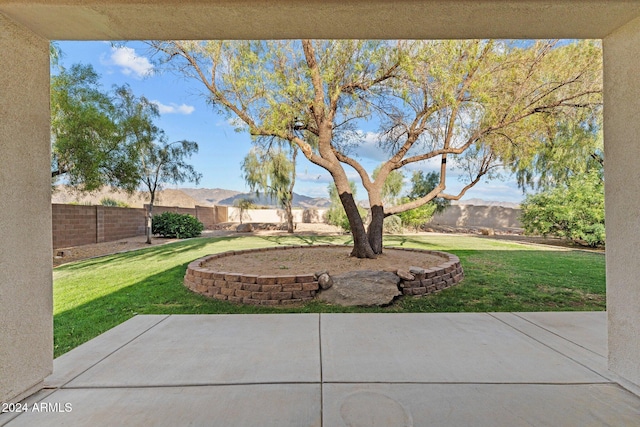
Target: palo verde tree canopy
478	105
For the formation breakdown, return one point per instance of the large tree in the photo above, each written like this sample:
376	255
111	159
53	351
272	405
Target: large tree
162	163
474	104
87	142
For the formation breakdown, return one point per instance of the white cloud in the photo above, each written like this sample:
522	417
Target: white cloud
129	62
318	178
369	148
173	108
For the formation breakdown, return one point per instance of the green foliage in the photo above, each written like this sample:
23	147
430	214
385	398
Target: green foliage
476	105
392	185
108	138
575	149
244	205
181	226
94	133
273	171
416	218
574	211
164	162
108	201
392	225
423	184
336	214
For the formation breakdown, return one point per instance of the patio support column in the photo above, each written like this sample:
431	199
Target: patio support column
26	336
622	197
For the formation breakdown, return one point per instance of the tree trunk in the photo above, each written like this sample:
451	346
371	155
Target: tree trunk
374	233
288	209
150	218
289	202
361	246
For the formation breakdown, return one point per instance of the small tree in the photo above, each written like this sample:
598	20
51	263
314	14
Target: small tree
162	163
274	172
422	185
244	205
574	211
417	217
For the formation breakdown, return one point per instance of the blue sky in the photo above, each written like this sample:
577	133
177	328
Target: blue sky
185	115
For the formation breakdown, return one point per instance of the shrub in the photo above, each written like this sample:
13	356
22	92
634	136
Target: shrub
392	225
108	201
182	226
574	211
416	218
338	217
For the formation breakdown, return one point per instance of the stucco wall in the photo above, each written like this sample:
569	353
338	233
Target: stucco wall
478	216
276	215
26	329
622	198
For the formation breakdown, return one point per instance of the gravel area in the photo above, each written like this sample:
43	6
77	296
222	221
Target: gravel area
335	260
77	253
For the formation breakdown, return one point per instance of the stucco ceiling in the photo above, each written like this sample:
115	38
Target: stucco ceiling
230	19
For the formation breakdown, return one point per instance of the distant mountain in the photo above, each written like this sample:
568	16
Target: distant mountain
181	197
169	197
299	201
209	196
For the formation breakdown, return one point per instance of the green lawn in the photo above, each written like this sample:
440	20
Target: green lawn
95	295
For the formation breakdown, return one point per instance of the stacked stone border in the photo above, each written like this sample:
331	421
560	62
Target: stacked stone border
434	279
294	289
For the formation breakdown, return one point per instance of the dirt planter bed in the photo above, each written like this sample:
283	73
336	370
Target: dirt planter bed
211	277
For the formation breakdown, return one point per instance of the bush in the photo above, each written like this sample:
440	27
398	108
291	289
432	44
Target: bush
182	226
416	218
108	201
338	217
574	211
392	225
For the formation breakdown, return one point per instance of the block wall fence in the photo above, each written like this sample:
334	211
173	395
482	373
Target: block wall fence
75	225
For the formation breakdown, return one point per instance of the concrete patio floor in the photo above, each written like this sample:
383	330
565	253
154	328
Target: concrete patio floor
475	369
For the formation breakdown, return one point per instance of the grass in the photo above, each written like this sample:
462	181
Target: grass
95	295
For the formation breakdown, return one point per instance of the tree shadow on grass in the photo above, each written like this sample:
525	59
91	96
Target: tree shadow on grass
495	280
161	293
308	239
151	253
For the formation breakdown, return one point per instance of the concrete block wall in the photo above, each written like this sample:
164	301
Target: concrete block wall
207	215
120	223
478	216
73	225
76	225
